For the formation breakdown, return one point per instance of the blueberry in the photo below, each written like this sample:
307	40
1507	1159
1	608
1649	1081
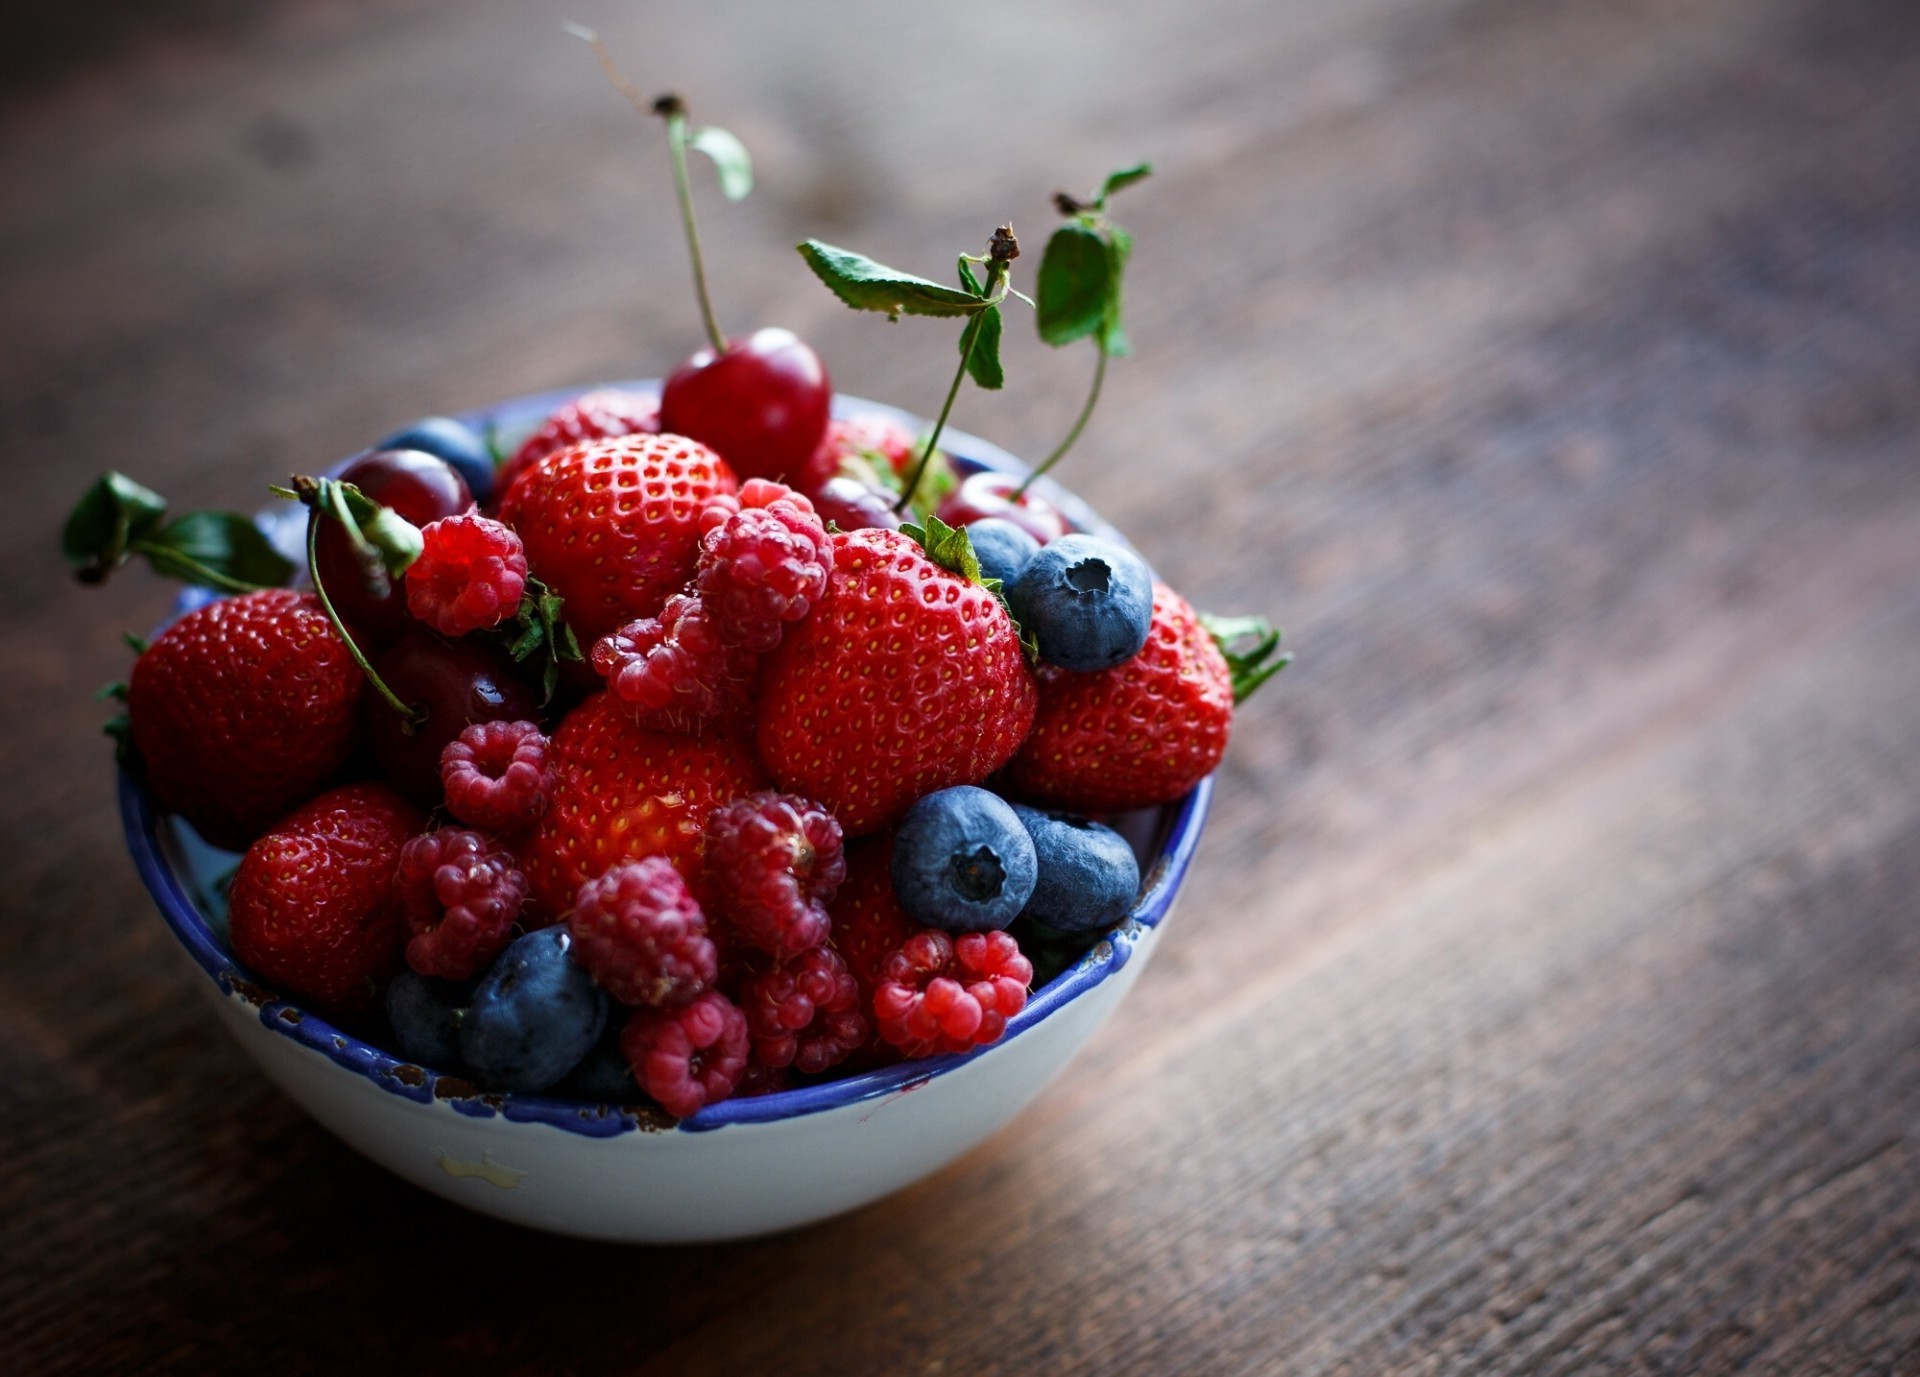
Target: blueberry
1002	548
1089	877
457	443
1086	600
604	1076
426	1015
534	1015
962	861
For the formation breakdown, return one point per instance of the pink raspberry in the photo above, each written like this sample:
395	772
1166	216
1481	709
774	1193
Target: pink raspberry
674	671
772	863
469	575
601	415
949	994
764	566
762	1080
461	895
498	775
639	933
804	1013
690	1057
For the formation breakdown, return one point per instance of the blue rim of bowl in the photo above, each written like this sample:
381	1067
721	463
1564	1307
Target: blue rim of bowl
1180	826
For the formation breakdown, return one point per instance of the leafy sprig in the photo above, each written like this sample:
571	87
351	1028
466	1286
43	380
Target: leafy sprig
867	285
117	520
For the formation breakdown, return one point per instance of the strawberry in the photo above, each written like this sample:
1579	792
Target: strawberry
243	708
612	526
603	414
906	678
313	908
1147	730
622	792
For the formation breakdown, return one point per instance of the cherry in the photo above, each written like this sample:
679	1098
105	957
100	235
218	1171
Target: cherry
988	493
852	505
455	684
762	403
420	487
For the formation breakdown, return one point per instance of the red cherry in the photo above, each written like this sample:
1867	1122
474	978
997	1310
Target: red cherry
762	404
418	486
991	494
456	683
852	505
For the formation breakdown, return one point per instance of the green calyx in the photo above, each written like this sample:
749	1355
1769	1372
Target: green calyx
117	519
537	627
1257	662
951	548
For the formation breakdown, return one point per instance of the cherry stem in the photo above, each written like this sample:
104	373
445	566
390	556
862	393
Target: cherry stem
674	111
1003	249
1099	376
309	493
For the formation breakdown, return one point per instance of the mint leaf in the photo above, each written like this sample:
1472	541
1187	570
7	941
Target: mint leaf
869	286
730	160
983	363
221	550
1073	285
1125	177
1113	334
110	515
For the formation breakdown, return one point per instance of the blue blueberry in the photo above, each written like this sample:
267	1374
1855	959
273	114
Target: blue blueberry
604	1076
962	861
1089	876
1002	548
533	1017
426	1015
459	444
1086	600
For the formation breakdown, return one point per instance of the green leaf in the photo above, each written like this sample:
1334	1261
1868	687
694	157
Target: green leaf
217	549
968	280
117	691
1113	334
730	160
1073	284
110	515
983	362
947	546
869	286
1125	177
537	625
137	644
1252	667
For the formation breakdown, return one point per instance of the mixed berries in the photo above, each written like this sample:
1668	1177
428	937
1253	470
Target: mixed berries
688	746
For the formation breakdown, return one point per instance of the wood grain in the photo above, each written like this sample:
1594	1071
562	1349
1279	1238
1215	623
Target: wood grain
1545	999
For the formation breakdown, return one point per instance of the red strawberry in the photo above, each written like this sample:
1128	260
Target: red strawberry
243	708
313	908
906	678
868	922
600	415
1143	732
612	526
622	792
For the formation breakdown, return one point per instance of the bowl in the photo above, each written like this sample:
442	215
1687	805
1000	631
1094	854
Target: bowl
627	1173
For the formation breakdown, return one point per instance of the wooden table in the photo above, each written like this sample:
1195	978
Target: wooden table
1548	998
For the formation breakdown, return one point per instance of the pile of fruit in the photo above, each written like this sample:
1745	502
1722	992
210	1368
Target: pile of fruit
698	743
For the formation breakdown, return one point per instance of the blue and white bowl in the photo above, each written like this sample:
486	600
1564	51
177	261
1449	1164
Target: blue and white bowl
732	1170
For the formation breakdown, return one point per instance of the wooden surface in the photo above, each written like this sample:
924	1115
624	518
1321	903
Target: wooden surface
1548	999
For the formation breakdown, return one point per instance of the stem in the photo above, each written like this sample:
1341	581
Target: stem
1099	376
676	117
926	455
409	718
1002	249
211	578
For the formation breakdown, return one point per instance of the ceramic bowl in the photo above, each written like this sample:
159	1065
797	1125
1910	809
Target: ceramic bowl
732	1170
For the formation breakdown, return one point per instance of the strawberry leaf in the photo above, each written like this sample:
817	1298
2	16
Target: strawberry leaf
1252	667
1073	285
980	347
869	286
730	160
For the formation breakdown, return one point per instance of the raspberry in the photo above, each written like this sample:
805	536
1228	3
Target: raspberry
691	1057
762	1080
638	930
497	775
674	670
469	574
804	1013
773	861
460	894
944	994
763	566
